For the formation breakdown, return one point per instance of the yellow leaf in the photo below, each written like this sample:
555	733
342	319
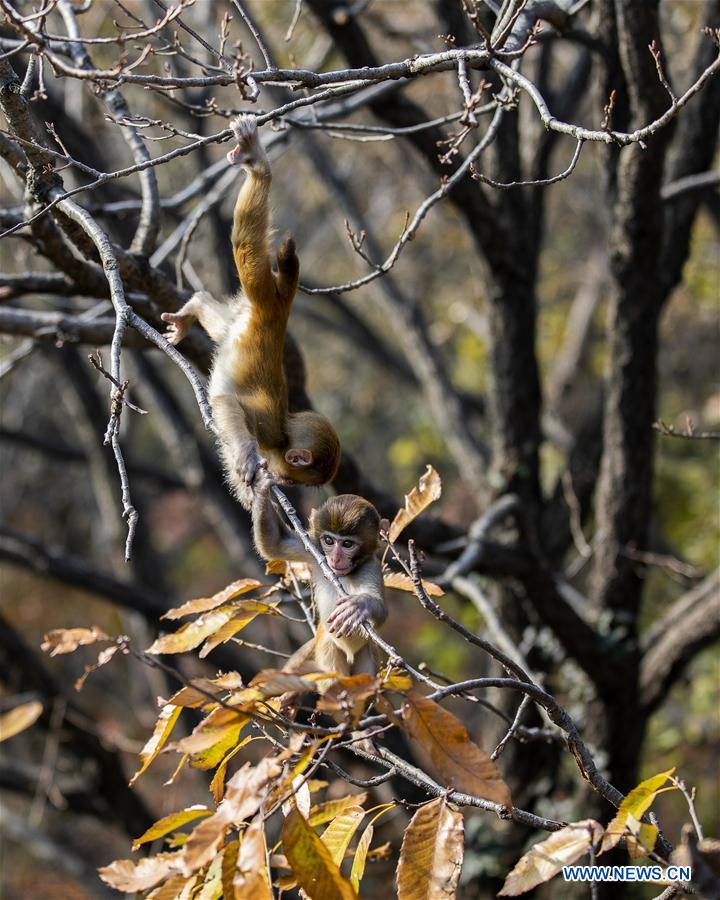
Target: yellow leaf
633	808
217	785
429	488
340	831
229	864
205	604
189	636
252	881
164	725
544	860
461	764
19	718
326	812
396	680
65	640
130	877
196	693
399	581
244	793
168	823
431	855
310	860
361	852
245	612
177	887
300	570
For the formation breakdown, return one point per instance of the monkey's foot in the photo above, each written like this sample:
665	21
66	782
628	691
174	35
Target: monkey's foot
178	326
247	150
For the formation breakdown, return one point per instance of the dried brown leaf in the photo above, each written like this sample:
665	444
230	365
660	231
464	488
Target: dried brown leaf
164	725
66	640
432	853
194	633
129	876
205	604
428	489
243	795
544	860
252	881
399	581
459	762
19	718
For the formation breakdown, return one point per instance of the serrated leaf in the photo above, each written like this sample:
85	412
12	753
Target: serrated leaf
459	762
129	876
361	852
252	881
19	718
164	725
169	823
428	489
65	640
431	855
311	862
633	808
194	633
340	831
399	581
544	860
326	812
205	604
245	612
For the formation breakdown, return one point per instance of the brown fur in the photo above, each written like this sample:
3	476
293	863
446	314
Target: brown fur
348	514
248	385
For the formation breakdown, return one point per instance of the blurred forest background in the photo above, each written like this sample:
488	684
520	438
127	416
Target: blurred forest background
600	567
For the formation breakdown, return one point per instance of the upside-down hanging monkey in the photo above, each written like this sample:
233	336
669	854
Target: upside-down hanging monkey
347	530
248	388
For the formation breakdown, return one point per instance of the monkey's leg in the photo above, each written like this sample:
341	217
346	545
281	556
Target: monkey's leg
251	219
214	316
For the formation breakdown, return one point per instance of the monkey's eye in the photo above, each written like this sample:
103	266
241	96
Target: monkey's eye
348	544
327	540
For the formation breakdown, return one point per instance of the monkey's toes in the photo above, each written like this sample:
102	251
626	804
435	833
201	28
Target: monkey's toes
244	126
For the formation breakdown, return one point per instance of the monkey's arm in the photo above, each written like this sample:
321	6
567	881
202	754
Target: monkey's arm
214	316
271	538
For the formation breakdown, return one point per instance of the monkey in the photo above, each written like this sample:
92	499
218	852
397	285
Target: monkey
347	530
248	388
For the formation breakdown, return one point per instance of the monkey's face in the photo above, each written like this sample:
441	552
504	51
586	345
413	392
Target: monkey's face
341	551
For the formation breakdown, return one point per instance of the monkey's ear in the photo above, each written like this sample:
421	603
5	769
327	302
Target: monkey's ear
299	458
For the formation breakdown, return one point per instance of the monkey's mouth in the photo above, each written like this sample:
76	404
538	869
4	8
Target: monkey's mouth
337	570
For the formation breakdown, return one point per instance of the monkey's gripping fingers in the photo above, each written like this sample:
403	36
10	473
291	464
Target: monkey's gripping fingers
350	614
178	326
248	462
248	150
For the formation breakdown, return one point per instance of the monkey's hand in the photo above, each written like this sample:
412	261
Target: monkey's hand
178	326
246	462
248	150
352	612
